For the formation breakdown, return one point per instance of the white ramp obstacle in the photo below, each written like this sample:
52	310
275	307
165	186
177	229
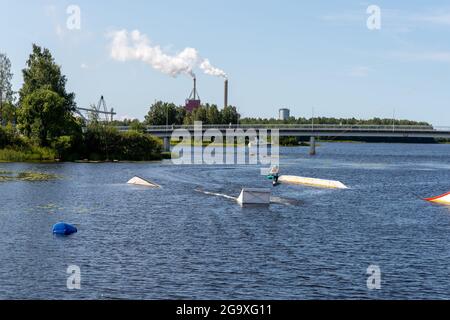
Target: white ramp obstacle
253	196
138	181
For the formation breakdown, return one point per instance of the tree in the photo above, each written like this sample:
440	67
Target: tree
8	113
45	107
43	72
213	114
161	113
210	114
43	116
103	142
200	114
6	93
62	145
93	116
181	114
9	136
137	126
230	115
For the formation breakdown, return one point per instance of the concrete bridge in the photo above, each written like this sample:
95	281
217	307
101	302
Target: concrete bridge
313	131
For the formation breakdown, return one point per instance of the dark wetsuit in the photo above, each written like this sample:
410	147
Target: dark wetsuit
275	179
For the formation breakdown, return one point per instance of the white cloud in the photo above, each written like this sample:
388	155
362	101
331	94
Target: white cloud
84	66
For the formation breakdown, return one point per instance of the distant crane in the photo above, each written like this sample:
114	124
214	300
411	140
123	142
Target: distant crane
97	112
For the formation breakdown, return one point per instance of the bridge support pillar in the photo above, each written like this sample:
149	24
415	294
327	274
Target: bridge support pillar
166	144
312	146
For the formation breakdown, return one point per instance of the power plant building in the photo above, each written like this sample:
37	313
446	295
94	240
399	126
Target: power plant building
193	102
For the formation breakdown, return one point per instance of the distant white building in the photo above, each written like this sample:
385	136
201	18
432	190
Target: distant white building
285	114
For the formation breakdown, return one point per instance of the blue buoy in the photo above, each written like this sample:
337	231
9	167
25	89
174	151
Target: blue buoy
64	229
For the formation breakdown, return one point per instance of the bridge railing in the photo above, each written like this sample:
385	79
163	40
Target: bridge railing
302	127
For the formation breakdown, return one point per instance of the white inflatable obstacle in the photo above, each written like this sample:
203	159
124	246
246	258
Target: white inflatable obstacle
443	199
253	196
138	181
319	183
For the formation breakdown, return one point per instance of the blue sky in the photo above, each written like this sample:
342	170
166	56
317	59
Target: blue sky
295	54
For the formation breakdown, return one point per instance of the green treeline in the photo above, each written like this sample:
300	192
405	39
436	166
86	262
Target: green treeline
162	113
294	141
335	121
165	113
41	126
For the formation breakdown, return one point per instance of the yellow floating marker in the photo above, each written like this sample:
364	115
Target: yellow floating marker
443	199
319	183
142	182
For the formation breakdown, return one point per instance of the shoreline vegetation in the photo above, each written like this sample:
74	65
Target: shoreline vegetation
40	124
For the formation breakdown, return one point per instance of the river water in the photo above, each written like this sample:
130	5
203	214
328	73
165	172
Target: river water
180	243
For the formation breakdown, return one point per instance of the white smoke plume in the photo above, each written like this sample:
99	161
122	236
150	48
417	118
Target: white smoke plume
211	70
127	46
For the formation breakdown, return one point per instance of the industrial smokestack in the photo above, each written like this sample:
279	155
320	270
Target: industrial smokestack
226	94
195	88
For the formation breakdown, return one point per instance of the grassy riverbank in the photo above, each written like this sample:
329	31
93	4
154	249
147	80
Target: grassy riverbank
35	154
97	143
